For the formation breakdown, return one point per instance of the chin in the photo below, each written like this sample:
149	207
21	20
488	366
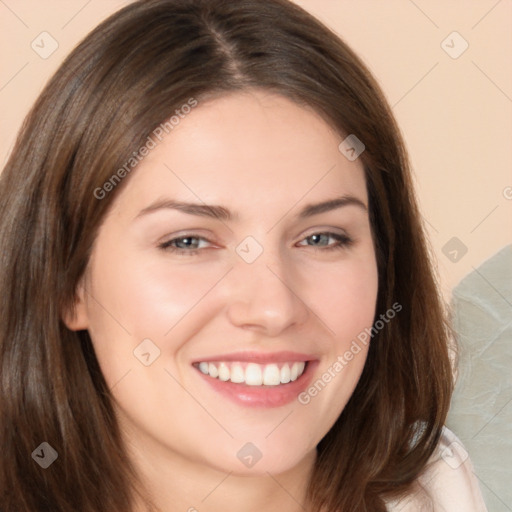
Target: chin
252	460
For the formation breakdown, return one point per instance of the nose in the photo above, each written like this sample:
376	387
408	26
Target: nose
265	296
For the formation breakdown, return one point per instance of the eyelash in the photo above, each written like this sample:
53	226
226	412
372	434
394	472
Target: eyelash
343	241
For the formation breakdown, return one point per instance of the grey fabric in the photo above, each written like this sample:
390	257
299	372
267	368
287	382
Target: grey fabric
481	411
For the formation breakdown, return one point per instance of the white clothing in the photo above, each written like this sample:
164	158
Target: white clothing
449	480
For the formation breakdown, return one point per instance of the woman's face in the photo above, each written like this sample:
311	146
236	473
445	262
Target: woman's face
218	328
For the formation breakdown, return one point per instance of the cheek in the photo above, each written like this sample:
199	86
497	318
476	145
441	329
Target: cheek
344	297
346	304
133	299
150	297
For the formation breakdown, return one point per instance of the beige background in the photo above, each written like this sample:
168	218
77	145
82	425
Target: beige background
455	113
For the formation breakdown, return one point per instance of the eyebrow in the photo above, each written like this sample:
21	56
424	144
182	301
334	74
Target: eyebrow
224	214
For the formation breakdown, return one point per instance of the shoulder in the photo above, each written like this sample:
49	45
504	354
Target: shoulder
448	479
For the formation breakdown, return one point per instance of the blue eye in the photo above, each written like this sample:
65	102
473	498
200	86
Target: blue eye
190	245
183	244
321	241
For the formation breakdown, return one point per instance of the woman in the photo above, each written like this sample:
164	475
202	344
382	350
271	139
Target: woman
216	286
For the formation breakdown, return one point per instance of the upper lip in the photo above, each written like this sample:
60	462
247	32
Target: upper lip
258	357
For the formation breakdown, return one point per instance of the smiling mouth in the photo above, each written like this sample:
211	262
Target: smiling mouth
253	374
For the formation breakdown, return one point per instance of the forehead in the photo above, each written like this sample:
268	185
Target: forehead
250	150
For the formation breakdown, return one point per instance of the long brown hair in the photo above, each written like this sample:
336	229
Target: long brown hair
127	76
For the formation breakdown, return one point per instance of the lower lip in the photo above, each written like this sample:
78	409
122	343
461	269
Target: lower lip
262	396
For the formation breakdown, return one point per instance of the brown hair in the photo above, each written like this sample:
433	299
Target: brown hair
128	75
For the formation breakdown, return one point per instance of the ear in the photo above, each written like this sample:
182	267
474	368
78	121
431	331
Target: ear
76	317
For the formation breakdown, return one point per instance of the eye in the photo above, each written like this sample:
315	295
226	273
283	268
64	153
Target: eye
321	241
188	244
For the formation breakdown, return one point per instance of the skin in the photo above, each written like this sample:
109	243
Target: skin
264	157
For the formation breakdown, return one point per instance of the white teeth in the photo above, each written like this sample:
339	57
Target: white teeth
237	373
271	375
224	372
296	371
253	374
212	370
293	372
285	374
